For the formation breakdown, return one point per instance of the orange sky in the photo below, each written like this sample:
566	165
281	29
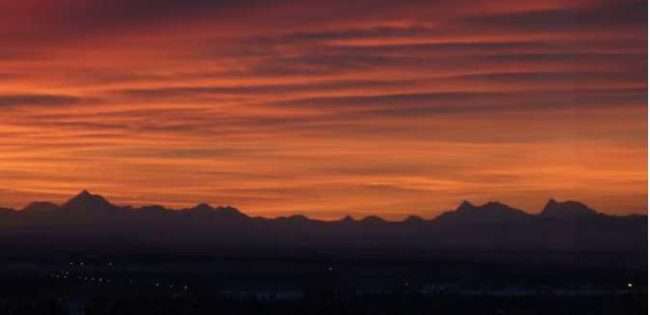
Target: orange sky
325	108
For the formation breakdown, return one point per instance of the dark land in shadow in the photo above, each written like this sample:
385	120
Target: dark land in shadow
89	256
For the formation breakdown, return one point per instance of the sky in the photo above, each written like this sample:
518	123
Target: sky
325	108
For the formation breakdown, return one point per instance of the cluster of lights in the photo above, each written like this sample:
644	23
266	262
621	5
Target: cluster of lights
66	275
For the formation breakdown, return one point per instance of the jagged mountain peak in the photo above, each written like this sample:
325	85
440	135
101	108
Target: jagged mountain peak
229	211
492	211
88	201
465	205
206	209
566	209
202	207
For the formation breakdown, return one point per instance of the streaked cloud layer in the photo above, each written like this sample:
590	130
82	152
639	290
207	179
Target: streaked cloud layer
325	107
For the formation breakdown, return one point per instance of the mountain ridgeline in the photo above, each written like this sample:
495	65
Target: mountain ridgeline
88	221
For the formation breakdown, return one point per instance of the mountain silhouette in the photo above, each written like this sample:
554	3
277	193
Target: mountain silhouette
414	219
85	201
567	210
490	212
204	209
41	207
90	221
372	219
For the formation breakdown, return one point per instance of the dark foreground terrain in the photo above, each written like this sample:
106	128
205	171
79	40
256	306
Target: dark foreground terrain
321	283
89	256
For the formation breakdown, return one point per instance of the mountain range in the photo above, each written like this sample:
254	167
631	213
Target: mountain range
90	221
